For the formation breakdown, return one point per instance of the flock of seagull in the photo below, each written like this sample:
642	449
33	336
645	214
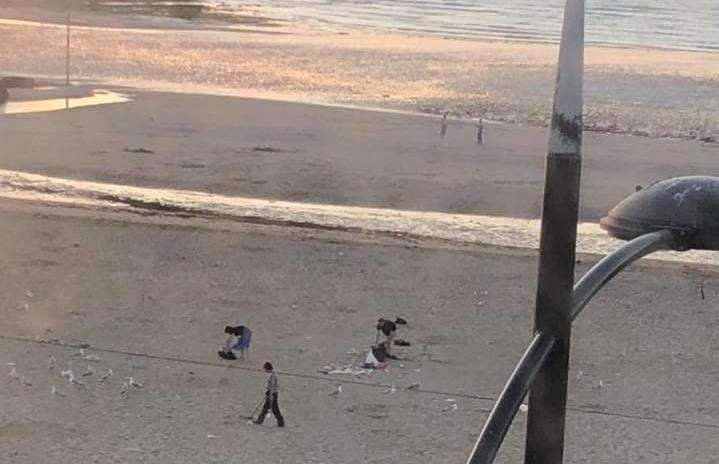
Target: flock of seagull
69	375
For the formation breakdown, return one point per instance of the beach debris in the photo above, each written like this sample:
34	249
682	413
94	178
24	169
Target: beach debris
51	362
89	371
336	391
413	387
523	407
25	306
451	407
601	383
135	383
580	374
92	358
392	390
29	294
347	369
480	130
139	151
80	353
211	436
106	375
443	126
55	391
268	149
357	371
11	364
14	374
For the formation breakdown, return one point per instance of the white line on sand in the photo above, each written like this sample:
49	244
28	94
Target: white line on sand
488	230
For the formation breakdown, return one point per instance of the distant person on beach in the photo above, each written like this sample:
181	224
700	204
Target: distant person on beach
238	338
443	126
480	130
271	397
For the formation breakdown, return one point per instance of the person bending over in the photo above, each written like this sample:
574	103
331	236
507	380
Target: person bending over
238	339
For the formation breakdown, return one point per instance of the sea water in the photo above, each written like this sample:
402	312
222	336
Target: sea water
676	24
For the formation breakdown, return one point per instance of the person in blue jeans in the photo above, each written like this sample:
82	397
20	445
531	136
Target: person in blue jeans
238	339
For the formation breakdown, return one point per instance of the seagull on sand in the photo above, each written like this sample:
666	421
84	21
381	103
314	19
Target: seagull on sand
336	392
105	376
135	383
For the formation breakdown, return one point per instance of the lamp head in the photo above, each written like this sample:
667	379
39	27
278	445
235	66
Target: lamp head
688	206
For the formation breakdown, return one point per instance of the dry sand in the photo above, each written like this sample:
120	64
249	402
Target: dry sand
167	286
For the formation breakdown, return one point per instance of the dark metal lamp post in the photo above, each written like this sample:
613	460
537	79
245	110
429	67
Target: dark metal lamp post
675	214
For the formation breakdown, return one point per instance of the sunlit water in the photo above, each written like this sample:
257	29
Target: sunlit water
98	97
683	24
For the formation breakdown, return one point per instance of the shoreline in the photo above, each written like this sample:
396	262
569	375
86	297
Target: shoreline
501	232
629	90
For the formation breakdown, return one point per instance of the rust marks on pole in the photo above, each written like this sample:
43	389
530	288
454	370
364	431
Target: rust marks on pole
570	130
566	132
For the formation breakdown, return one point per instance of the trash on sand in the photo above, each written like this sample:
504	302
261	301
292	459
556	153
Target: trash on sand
55	391
336	391
371	361
451	407
451	400
13	374
351	371
523	407
89	371
51	362
80	353
124	389
29	294
141	151
413	387
210	436
580	374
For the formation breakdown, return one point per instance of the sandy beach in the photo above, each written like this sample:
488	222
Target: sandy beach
642	384
656	92
337	156
262	112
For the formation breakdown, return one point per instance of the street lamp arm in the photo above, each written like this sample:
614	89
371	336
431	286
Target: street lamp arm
613	263
511	398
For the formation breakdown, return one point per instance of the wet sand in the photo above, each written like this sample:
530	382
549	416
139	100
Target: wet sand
337	156
167	286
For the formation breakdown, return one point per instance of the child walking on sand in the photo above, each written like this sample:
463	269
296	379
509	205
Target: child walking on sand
271	397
